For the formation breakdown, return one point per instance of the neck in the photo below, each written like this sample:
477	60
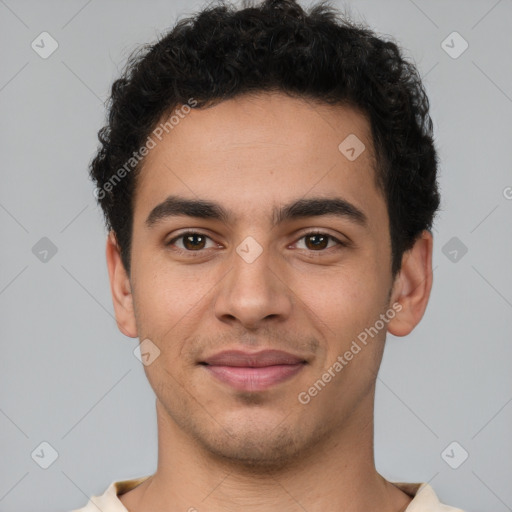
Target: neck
337	473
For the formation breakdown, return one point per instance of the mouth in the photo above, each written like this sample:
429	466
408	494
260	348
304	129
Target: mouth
245	371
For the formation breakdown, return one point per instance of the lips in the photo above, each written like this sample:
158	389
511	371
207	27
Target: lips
255	359
257	371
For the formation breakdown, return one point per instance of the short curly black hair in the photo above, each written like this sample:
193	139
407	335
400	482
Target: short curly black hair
223	51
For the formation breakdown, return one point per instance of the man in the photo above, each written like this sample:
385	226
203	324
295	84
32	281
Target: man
268	179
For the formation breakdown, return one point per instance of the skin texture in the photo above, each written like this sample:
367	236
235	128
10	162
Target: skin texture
221	449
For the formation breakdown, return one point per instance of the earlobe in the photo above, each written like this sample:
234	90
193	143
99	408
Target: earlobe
120	288
412	286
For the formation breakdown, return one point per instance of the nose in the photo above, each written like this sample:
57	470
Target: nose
254	292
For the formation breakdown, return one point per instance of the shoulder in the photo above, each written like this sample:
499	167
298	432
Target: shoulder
424	499
109	501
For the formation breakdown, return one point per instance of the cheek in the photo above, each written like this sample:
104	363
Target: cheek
342	308
167	296
342	304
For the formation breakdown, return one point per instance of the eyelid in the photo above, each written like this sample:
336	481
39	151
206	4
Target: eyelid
185	233
342	240
339	243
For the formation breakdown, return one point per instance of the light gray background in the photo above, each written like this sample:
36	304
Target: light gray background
68	377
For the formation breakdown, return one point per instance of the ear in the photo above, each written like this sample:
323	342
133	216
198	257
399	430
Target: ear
412	286
120	289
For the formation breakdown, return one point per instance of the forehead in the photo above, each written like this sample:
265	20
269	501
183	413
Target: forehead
258	151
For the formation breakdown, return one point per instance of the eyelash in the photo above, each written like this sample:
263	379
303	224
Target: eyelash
339	243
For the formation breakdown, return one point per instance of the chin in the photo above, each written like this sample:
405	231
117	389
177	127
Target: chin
254	446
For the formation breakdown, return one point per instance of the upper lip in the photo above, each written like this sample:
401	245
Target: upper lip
254	359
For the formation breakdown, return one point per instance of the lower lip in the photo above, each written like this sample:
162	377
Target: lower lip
254	379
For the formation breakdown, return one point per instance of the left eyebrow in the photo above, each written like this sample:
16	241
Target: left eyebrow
317	207
302	208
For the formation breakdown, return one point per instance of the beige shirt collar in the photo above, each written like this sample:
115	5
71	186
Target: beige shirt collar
424	497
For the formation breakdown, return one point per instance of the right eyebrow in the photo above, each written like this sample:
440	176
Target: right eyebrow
175	206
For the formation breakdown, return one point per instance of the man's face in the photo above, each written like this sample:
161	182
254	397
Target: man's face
306	295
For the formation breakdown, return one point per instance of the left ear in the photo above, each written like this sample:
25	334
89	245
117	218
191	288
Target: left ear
412	286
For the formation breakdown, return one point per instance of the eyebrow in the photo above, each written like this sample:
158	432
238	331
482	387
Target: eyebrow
204	209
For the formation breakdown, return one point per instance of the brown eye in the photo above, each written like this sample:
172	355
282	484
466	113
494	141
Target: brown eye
319	242
193	241
316	241
190	242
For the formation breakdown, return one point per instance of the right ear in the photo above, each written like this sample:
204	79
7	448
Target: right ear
120	289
